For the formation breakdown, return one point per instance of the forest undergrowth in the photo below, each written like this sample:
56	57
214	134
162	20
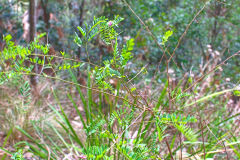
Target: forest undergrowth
81	109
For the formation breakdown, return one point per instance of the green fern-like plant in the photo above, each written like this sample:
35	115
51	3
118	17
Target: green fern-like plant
106	29
17	57
179	122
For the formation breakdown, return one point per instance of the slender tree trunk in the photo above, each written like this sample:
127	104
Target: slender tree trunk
46	17
32	32
32	19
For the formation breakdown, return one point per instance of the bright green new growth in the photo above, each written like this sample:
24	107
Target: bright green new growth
166	36
18	155
18	56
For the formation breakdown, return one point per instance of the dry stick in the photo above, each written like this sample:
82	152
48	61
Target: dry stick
169	149
202	128
169	90
217	151
185	32
171	55
204	149
201	125
188	26
201	78
127	128
136	98
219	141
180	137
75	60
47	148
152	35
72	83
169	94
158	66
147	28
155	40
137	73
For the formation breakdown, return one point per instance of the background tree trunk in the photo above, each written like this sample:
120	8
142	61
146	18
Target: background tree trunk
46	17
32	32
32	19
